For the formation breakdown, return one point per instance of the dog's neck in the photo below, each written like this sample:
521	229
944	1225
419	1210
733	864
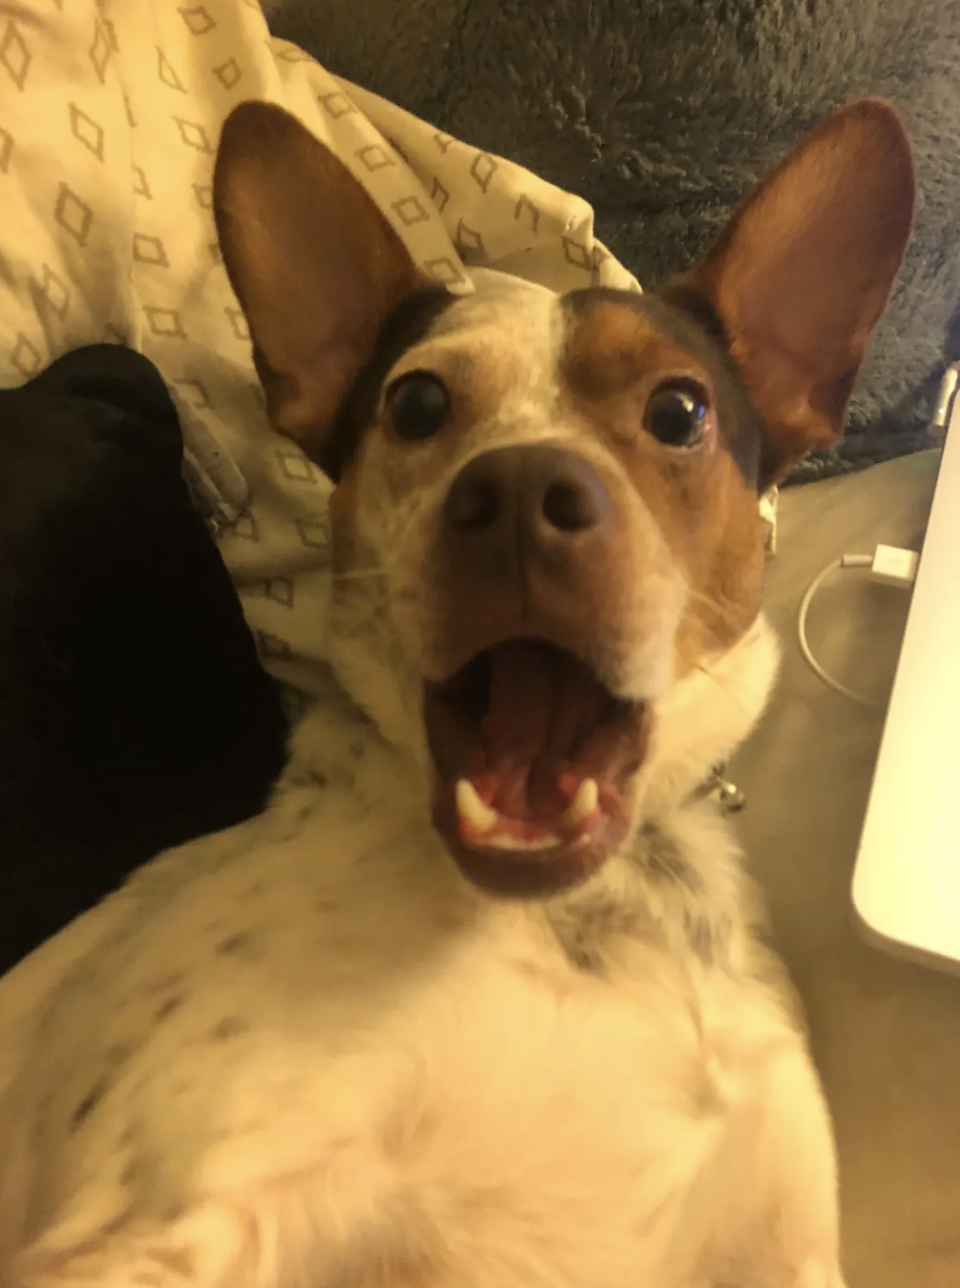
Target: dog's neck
707	715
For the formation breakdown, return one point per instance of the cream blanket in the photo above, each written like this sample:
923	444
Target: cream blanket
111	113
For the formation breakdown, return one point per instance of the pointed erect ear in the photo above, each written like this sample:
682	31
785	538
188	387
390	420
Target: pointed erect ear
315	265
803	272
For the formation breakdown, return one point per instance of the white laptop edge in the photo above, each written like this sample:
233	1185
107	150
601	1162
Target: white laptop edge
906	882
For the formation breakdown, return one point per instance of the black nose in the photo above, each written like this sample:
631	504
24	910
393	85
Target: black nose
549	493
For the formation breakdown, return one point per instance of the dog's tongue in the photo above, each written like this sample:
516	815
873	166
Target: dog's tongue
542	704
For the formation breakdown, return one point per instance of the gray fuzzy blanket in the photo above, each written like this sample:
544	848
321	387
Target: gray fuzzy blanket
663	113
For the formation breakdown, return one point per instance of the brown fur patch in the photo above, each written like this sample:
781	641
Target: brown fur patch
615	357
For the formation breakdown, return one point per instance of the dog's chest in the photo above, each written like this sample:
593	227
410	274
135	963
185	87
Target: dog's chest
339	1006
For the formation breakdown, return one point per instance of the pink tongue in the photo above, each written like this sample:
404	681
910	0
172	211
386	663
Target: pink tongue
541	705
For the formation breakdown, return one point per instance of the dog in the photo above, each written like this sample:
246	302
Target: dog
483	999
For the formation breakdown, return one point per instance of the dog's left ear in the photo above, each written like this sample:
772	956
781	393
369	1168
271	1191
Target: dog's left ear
801	275
315	265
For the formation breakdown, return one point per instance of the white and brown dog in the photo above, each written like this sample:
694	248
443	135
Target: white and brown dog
479	1001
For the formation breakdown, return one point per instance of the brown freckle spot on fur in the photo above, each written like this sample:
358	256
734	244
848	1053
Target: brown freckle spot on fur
325	905
662	858
165	983
587	932
610	916
116	1224
234	944
583	954
89	1102
119	1053
490	1198
130	1173
167	1009
450	922
701	937
231	1026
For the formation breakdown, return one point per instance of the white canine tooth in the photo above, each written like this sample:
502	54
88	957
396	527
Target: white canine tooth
583	804
475	812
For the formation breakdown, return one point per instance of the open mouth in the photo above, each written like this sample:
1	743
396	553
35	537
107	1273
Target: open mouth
534	757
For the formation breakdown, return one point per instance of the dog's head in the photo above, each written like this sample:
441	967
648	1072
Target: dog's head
546	519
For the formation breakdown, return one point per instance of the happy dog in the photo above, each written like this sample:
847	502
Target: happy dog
328	1047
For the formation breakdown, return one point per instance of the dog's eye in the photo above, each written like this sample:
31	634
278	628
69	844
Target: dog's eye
676	414
418	405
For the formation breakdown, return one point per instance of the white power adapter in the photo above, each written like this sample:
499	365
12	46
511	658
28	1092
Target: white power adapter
889	564
895	566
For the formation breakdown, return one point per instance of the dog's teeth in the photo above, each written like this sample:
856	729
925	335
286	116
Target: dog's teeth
475	813
521	845
583	804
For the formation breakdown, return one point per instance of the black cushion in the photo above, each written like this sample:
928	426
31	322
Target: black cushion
134	713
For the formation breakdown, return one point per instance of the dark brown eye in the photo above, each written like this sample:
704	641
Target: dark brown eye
677	414
418	405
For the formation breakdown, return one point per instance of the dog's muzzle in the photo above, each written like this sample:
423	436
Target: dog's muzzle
534	753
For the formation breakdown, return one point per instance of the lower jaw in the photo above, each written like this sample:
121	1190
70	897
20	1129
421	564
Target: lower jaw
529	873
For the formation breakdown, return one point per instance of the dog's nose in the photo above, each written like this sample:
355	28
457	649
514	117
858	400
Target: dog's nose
538	491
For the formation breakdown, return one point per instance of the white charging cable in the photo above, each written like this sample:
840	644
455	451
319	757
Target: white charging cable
888	564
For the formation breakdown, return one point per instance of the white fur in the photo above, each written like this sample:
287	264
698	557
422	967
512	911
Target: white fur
307	1054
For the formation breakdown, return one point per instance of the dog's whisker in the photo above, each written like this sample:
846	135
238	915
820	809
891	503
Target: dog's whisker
394	553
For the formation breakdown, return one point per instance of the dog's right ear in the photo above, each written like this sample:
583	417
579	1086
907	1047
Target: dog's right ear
802	273
315	265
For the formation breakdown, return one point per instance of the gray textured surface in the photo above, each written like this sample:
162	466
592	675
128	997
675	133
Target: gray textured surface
663	113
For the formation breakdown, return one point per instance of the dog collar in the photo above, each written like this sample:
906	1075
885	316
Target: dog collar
728	797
